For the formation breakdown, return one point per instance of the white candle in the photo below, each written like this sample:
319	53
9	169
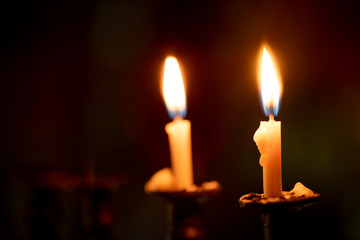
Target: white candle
179	130
268	140
268	136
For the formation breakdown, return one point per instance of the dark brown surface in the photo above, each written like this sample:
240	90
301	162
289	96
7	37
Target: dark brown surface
280	216
199	195
288	200
185	218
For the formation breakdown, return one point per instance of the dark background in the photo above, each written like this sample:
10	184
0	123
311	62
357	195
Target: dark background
81	99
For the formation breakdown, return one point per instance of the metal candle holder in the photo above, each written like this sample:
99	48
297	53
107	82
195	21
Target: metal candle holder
280	216
184	214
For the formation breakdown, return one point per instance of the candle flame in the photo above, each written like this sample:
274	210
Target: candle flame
270	84
173	89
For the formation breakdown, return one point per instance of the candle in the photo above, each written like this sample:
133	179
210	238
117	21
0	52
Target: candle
179	130
268	136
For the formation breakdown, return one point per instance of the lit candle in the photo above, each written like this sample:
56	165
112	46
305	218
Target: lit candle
179	130
268	136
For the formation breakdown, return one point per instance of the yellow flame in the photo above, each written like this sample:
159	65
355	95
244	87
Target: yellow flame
270	82
173	88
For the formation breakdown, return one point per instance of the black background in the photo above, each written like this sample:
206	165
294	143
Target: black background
81	89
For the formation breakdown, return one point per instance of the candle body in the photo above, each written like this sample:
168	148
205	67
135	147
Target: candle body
179	132
268	141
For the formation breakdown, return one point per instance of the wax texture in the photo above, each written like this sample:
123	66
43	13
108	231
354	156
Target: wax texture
179	133
268	141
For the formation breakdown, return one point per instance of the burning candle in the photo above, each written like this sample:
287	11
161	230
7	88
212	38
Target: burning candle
179	130
268	136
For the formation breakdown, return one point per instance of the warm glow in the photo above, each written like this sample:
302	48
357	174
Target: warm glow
271	88
173	89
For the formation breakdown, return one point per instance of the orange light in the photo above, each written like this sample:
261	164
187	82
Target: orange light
270	83
173	88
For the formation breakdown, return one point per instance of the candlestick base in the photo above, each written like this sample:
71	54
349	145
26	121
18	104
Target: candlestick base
184	215
280	216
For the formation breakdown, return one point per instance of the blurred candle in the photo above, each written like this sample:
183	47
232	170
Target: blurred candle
179	130
268	136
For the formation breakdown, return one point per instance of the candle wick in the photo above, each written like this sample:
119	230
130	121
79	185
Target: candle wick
271	117
178	117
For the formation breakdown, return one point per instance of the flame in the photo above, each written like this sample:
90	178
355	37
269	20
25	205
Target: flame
173	89
270	83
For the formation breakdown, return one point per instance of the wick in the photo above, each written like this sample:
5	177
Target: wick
178	117
271	117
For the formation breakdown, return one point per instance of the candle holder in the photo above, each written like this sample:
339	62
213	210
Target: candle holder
184	212
281	216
